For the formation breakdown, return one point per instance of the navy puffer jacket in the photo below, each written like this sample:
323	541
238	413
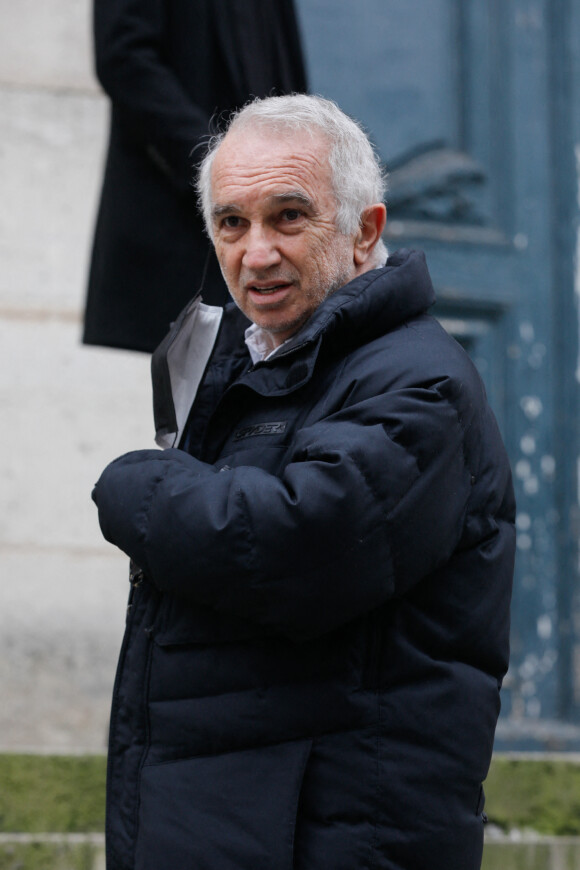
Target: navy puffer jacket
319	627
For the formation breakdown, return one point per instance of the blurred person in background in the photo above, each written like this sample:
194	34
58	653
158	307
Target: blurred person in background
169	67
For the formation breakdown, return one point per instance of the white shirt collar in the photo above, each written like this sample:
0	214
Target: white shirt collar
260	343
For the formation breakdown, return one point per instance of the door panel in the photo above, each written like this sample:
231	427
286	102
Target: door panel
468	103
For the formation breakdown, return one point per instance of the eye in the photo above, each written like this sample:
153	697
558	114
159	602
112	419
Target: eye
232	222
291	214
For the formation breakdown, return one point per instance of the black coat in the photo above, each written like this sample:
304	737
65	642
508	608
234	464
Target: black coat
311	671
168	67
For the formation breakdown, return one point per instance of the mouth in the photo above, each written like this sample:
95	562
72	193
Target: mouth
267	290
265	294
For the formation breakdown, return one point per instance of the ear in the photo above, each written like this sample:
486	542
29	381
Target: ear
373	220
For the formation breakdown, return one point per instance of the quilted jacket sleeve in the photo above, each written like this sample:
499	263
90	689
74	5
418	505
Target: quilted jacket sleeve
150	100
373	499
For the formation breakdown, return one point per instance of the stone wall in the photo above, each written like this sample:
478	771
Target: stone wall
66	410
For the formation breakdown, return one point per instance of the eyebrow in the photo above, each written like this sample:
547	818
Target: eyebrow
293	196
229	208
276	199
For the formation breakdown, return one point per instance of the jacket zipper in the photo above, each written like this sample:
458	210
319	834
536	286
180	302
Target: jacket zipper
376	637
136	578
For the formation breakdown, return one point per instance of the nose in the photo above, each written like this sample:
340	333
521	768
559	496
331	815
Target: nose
261	250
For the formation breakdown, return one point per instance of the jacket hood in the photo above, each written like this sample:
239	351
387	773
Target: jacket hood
370	305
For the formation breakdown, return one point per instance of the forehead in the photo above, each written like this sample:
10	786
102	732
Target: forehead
255	164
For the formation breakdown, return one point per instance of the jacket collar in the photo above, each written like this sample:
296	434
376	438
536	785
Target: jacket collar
367	307
372	304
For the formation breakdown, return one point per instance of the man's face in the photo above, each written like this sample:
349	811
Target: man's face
273	219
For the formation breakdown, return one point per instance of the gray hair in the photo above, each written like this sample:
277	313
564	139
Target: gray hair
358	179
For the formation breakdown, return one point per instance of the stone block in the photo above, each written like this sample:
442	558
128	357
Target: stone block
67	411
533	853
46	44
51	154
51	853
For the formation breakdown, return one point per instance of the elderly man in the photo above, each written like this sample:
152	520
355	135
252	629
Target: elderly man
322	556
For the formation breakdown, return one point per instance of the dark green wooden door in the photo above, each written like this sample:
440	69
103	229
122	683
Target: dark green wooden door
473	105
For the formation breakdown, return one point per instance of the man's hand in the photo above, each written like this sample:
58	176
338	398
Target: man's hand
124	492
